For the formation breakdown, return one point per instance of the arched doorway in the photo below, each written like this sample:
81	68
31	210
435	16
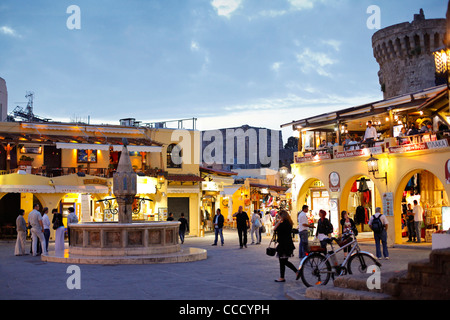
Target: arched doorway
425	187
360	197
316	196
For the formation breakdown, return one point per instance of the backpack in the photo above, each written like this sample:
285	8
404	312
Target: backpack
377	225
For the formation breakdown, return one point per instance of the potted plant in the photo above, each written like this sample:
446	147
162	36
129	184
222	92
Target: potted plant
25	161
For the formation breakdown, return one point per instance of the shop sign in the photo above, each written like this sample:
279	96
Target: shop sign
388	204
318	157
335	182
211	186
437	144
358	153
102	182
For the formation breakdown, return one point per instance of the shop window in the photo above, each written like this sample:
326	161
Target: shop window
174	156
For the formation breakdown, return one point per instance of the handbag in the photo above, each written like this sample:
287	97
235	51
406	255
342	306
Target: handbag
271	251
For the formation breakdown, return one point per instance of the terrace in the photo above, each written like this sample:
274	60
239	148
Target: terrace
340	134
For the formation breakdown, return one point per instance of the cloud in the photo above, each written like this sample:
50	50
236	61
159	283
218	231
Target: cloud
303	4
194	46
226	7
276	66
315	61
9	31
335	44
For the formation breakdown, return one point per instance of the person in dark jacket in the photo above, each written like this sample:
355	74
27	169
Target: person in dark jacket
184	226
285	248
218	227
324	229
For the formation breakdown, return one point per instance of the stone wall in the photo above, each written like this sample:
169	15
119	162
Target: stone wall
405	54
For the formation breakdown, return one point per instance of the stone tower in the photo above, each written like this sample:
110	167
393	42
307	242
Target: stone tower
405	54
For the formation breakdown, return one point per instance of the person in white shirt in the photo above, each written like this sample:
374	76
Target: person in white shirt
418	218
37	229
268	223
370	135
46	223
21	227
71	219
303	231
256	224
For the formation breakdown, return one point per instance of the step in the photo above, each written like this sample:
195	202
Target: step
334	293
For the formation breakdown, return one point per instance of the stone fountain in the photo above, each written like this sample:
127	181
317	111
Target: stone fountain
125	242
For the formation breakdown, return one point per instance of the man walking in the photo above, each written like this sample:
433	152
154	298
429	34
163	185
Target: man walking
303	231
418	219
21	228
242	222
379	225
37	229
218	227
184	226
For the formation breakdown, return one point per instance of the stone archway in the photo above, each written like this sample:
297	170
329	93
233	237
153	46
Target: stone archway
431	188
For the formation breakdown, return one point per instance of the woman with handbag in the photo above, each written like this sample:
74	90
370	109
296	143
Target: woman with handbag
285	248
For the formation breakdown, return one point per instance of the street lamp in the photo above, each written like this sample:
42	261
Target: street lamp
372	166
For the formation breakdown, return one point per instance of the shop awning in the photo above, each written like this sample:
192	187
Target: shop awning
82	189
184	178
270	187
26	189
25	183
75	184
82	146
130	148
106	147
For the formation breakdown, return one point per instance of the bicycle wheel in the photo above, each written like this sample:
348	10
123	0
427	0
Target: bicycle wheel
360	262
315	271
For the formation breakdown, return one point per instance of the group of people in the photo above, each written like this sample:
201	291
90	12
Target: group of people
413	221
39	226
285	249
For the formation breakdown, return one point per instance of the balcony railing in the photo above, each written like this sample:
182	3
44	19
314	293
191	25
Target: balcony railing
424	141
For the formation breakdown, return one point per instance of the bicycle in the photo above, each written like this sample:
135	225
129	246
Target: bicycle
315	269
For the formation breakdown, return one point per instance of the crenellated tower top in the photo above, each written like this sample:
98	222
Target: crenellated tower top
405	54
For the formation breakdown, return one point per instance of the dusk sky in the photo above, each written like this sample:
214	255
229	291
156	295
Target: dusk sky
226	62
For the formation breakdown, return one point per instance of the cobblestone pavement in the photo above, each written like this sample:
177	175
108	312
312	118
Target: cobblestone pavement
229	273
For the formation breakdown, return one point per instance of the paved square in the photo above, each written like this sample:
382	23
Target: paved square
229	273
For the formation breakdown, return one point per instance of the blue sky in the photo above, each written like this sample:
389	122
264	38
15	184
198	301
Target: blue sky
225	62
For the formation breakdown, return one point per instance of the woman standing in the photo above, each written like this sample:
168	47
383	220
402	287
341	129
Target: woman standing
347	224
59	233
285	247
256	225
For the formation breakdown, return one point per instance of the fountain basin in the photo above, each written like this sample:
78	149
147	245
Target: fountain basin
124	239
124	243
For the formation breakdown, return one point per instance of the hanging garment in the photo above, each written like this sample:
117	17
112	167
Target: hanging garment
363	187
360	215
354	187
366	197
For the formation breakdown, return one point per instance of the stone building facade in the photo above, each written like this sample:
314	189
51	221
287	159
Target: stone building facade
405	54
